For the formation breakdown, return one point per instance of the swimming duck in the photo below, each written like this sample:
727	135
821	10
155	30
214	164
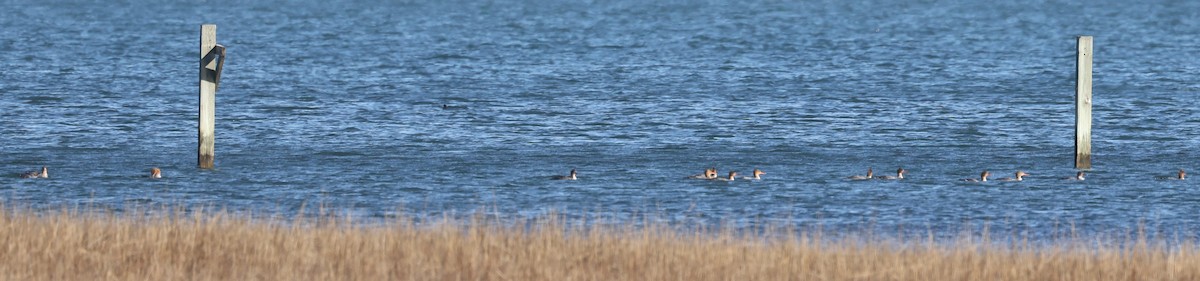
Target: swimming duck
155	173
899	175
710	173
732	176
1181	176
1018	177
1078	177
44	173
567	177
982	177
757	175
870	175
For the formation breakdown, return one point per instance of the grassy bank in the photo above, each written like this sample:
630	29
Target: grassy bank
220	246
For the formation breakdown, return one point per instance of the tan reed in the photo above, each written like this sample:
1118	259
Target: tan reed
218	245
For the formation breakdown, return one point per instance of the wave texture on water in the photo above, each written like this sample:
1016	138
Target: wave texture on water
341	104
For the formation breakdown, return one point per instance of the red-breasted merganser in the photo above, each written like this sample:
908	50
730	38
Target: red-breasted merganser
757	175
155	173
568	177
732	176
899	175
870	175
982	177
710	173
1180	176
44	173
1078	177
1019	176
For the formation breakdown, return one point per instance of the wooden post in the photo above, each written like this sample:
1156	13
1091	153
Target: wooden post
1083	104
208	96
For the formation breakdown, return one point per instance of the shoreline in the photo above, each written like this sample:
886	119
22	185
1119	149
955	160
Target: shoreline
221	245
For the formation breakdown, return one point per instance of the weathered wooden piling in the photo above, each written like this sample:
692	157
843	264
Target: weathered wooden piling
1083	104
212	59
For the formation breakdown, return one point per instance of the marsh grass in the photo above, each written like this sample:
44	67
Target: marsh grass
218	245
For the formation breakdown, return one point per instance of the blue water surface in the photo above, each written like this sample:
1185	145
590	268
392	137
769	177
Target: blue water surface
340	104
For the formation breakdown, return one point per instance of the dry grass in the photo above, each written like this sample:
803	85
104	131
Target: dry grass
76	245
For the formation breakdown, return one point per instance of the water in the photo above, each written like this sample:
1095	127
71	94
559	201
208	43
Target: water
339	104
